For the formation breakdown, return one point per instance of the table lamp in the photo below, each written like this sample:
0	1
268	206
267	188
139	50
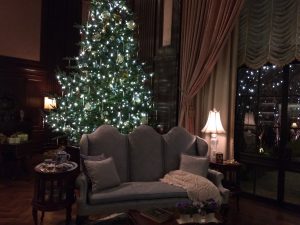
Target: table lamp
214	127
49	103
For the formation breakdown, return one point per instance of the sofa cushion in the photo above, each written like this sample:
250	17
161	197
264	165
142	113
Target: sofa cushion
135	191
103	174
194	164
90	158
146	154
107	139
177	141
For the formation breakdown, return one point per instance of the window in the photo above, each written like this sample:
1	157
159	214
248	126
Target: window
267	130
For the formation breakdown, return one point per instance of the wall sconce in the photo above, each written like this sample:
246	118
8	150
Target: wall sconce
214	127
49	103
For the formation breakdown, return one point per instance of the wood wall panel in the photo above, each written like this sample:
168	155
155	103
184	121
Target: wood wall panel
145	12
29	81
60	36
163	61
24	82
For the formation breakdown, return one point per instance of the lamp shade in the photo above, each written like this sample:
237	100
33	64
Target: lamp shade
249	119
49	103
213	124
294	125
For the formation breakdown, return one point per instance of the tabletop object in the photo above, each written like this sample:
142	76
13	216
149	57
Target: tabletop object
54	189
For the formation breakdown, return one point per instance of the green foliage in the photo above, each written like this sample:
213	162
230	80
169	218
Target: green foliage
108	84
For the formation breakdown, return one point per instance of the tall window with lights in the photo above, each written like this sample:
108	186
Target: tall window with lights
268	117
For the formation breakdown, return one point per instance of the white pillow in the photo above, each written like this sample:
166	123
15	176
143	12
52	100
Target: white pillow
103	174
194	164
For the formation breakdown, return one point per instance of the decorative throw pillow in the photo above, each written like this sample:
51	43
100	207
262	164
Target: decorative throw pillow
90	158
103	174
194	164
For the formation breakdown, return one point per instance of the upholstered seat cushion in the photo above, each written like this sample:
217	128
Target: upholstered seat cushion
132	191
103	174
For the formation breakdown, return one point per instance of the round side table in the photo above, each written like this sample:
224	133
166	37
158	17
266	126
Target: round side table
54	189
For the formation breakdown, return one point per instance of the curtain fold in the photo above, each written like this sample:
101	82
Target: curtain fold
219	92
205	28
269	32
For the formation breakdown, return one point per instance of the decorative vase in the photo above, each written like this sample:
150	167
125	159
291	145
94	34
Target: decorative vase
204	218
185	218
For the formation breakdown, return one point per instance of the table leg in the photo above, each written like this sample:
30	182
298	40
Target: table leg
34	216
42	217
68	215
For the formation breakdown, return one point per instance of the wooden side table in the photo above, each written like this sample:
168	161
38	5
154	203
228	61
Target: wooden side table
15	158
231	172
54	190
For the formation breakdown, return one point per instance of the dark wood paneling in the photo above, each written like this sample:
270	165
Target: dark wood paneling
29	81
163	61
26	84
146	17
60	36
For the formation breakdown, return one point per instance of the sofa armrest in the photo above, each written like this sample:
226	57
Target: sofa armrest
82	185
216	177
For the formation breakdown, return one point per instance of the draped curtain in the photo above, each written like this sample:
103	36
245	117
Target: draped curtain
219	92
269	32
206	25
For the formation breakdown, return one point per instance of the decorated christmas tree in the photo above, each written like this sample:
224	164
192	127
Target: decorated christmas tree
107	84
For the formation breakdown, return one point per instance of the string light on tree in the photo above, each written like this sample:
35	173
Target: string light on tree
108	84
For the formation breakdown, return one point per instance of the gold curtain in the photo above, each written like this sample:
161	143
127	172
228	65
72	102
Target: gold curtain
269	32
219	92
205	28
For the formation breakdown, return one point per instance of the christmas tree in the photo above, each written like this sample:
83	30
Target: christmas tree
107	85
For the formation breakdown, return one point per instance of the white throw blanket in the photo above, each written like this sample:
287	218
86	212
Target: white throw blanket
198	188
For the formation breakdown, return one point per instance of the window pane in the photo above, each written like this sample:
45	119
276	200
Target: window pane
266	182
247	81
269	125
271	81
294	84
247	177
292	188
293	150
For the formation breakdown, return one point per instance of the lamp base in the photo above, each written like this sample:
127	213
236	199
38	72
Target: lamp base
213	147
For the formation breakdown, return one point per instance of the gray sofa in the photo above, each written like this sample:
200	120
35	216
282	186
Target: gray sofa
141	158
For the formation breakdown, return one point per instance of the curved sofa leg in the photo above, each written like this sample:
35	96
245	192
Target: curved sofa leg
224	213
80	219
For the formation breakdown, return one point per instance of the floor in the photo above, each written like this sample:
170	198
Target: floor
16	195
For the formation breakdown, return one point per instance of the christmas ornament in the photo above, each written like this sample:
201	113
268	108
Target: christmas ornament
124	74
88	107
131	25
120	59
117	17
136	99
105	15
97	37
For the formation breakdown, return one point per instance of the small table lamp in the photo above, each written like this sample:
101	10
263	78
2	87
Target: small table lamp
49	103
213	126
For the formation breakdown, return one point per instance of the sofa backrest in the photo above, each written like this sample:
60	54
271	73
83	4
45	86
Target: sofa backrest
144	154
177	141
107	139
